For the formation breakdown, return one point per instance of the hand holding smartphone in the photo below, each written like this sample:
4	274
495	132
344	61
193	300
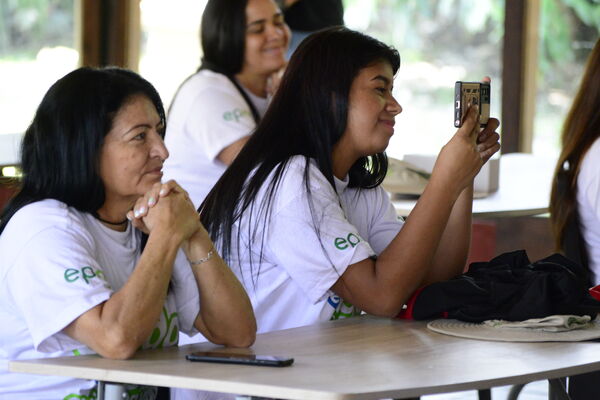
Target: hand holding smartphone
245	359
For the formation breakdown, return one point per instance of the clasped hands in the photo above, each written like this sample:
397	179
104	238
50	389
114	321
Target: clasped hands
168	207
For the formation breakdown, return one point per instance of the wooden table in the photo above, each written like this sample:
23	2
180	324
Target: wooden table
524	189
358	358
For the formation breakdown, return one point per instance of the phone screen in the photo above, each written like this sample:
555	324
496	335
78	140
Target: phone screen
248	359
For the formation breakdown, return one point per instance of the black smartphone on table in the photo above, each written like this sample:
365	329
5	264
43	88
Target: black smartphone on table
245	359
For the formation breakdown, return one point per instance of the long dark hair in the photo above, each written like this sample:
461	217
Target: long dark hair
306	117
580	131
61	148
223	40
223	36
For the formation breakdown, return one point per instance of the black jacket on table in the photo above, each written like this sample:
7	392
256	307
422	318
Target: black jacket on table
508	287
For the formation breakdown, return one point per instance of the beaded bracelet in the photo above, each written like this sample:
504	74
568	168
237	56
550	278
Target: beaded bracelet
202	260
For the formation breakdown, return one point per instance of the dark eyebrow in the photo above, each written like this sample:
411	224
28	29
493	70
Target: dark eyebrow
136	127
262	21
257	22
382	78
148	126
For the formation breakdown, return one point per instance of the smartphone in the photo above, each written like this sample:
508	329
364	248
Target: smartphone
473	93
246	359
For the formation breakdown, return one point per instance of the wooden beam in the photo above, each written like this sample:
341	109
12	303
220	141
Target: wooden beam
133	34
530	68
521	22
91	27
110	33
512	75
123	33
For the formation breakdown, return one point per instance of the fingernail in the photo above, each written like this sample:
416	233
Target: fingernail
136	213
151	201
162	191
142	210
128	216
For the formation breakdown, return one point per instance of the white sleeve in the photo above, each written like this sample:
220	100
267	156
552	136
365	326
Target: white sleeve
187	298
315	261
591	192
588	182
217	118
54	280
384	223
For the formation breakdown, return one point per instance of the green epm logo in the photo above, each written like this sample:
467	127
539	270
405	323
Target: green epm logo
85	274
345	310
92	395
235	115
348	242
170	333
134	393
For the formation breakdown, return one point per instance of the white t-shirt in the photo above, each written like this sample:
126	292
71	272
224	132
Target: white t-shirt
588	201
207	115
56	263
290	285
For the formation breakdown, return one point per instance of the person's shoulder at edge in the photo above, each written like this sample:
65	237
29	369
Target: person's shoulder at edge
592	156
589	172
589	167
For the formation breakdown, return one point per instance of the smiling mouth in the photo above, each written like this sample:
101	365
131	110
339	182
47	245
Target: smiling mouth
278	49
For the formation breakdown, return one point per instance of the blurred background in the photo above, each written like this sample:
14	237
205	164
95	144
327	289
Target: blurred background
534	51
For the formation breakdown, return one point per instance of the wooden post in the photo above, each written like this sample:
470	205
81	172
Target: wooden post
521	22
110	33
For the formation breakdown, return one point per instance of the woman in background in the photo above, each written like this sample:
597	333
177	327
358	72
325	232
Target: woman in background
74	275
244	43
300	213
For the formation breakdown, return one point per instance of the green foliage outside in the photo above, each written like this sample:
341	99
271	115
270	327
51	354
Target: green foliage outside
451	31
26	26
437	39
569	30
468	34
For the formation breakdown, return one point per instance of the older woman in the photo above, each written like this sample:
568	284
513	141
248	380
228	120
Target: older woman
75	277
